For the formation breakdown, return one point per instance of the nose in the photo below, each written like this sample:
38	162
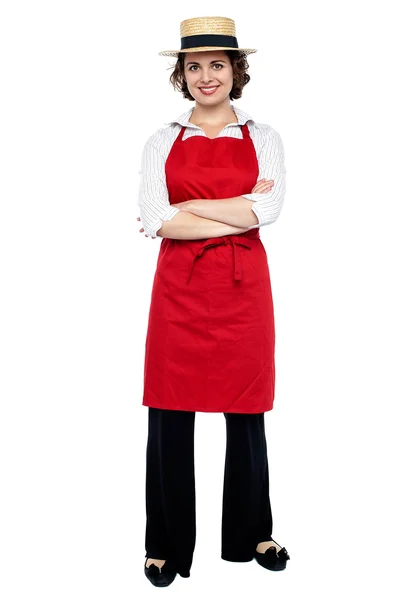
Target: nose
206	79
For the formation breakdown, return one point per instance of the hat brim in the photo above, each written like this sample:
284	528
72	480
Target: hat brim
176	53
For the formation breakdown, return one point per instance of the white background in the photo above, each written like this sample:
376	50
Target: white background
82	88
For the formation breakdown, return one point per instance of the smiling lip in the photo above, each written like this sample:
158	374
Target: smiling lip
204	90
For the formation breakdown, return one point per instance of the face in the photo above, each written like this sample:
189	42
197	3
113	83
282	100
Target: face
207	69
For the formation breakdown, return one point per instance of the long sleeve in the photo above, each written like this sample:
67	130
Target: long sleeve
153	192
267	207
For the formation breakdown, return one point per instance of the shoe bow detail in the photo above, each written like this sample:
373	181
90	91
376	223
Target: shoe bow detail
271	559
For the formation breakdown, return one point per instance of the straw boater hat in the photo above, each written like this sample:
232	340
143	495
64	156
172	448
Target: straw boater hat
207	33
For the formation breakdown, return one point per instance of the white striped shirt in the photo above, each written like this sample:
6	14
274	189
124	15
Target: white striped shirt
153	197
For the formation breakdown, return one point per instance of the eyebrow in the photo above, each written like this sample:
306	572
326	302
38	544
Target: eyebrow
197	63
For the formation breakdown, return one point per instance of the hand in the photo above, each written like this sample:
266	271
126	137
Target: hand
141	230
263	186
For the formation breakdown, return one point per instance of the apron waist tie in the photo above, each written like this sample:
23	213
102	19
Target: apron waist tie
222	241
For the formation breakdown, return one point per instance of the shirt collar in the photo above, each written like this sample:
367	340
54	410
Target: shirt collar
183	119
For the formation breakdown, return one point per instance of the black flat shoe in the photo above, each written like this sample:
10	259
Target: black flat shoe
159	576
271	559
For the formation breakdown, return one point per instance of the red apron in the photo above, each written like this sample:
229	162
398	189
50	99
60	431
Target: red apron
210	339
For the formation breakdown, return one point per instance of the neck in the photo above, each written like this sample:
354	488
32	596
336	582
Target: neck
214	115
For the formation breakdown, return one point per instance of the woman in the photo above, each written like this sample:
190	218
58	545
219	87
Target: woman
210	338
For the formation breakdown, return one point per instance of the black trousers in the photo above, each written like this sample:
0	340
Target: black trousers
170	488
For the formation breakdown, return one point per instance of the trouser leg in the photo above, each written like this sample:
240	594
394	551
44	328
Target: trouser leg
247	516
170	488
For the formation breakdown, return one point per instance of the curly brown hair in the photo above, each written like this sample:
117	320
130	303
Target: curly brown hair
240	66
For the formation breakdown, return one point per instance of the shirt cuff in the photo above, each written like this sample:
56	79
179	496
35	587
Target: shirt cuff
169	213
254	208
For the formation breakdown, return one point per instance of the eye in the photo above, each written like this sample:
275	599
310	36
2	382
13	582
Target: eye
215	65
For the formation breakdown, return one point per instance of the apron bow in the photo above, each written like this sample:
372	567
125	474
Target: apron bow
234	241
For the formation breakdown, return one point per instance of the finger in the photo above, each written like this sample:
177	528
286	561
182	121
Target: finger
262	188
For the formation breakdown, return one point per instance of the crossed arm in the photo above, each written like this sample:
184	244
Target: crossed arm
203	218
234	211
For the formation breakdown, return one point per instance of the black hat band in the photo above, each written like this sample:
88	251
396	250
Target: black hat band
194	41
